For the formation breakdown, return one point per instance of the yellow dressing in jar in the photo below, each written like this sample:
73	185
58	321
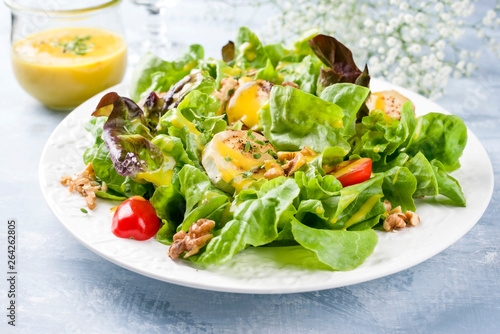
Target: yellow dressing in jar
64	67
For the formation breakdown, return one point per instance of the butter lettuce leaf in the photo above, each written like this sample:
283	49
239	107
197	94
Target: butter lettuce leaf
439	136
350	98
340	250
154	74
295	119
399	186
447	185
255	221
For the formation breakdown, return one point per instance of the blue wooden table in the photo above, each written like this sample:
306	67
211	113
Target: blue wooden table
64	287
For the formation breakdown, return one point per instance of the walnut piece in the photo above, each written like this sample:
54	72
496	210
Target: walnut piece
396	219
85	183
413	218
388	205
292	166
294	160
393	221
273	170
191	242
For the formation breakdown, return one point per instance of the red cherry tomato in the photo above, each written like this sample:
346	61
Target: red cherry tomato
353	171
135	219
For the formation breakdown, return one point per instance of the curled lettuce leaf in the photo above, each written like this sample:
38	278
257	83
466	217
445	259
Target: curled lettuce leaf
155	74
255	221
339	61
399	186
447	185
340	250
439	136
295	119
127	136
350	98
249	51
304	73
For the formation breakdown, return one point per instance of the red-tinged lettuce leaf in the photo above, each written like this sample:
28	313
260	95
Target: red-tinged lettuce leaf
341	65
127	135
228	52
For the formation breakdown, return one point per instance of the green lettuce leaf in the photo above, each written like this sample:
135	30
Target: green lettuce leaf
295	119
399	186
441	137
304	73
447	185
340	250
155	74
170	206
255	221
350	98
421	169
249	51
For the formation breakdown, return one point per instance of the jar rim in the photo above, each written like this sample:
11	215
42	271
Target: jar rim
15	6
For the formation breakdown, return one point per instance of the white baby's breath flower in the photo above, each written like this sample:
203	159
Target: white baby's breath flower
420	18
405	61
380	28
487	21
439	7
364	42
391	41
415	49
440	45
400	40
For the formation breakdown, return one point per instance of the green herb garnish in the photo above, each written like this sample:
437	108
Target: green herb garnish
248	174
272	153
260	142
257	155
228	159
78	46
83	210
248	146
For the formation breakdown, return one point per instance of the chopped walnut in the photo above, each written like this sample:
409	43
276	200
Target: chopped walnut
292	166
294	160
273	170
191	242
393	221
388	205
397	219
85	183
306	152
413	218
291	84
395	210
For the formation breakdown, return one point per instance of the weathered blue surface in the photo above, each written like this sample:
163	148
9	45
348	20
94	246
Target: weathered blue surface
64	287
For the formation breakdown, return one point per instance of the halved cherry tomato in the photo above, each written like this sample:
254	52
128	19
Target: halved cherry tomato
353	171
135	219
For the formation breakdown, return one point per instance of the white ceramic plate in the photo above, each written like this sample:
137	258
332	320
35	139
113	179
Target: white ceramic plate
259	270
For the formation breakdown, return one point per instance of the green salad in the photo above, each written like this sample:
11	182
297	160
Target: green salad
271	146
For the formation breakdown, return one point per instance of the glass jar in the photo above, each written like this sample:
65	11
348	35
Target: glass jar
64	52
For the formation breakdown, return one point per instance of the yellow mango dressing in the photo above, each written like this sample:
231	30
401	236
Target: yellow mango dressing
64	67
